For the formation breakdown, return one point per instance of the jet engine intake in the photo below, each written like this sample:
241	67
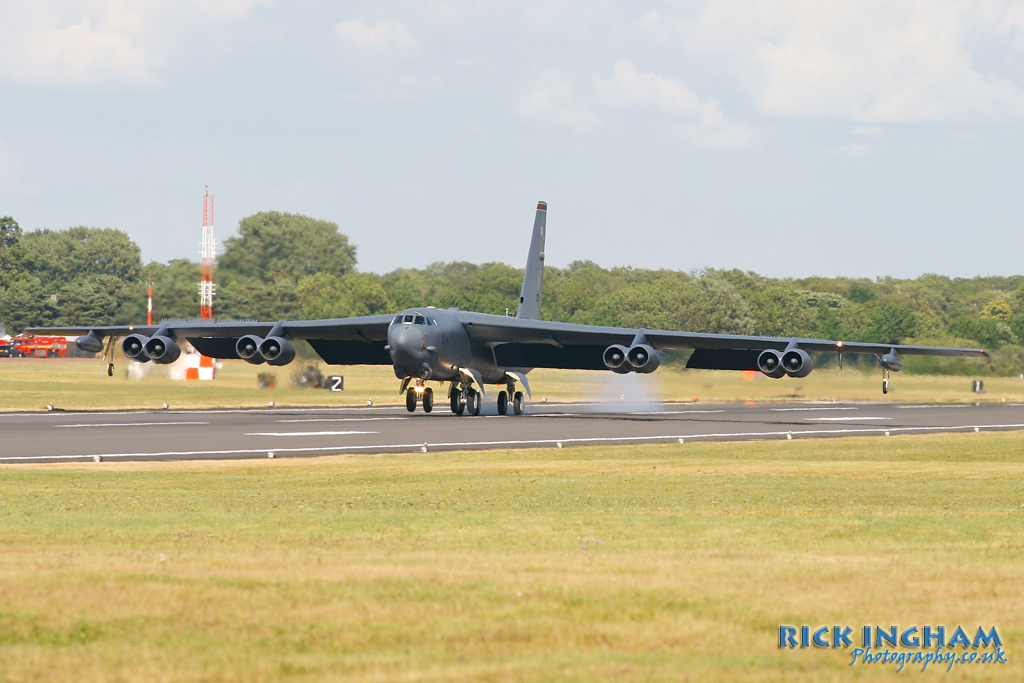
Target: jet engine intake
769	362
134	347
248	349
277	351
643	358
797	363
162	350
615	359
891	361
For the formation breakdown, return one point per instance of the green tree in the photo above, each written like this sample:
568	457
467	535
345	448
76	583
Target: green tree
246	298
680	302
997	309
325	295
60	256
11	250
175	289
93	300
892	322
272	246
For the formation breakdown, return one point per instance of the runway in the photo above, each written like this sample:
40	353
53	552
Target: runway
292	432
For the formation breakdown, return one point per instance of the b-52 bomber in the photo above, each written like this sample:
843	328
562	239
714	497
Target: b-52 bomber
469	351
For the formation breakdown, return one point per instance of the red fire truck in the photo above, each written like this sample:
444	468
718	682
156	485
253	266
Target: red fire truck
40	347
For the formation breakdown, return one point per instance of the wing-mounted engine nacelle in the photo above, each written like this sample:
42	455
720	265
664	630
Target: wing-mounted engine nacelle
797	363
770	363
891	361
643	358
134	347
615	359
90	343
248	349
277	351
162	350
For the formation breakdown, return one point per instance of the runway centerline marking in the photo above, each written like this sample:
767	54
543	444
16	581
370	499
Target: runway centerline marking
845	419
307	433
130	424
341	419
794	410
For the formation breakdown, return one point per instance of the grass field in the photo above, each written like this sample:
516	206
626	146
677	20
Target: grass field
653	563
77	384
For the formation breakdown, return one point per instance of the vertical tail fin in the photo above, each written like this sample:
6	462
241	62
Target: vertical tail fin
533	282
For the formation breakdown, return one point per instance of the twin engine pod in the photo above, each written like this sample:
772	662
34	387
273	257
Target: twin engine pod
272	350
792	362
639	358
159	349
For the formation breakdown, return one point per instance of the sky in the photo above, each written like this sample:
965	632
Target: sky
793	138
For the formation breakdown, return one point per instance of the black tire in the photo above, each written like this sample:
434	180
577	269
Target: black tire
473	402
458	403
517	403
410	401
110	369
502	403
428	400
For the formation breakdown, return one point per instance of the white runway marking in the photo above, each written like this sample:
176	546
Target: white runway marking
844	419
342	419
130	424
669	412
794	410
953	406
328	450
307	433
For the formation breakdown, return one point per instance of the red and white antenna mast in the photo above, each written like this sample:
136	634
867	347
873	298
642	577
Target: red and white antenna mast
208	251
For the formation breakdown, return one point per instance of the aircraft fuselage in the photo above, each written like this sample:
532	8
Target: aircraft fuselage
430	343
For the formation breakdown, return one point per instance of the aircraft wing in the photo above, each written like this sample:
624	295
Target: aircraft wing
339	341
541	343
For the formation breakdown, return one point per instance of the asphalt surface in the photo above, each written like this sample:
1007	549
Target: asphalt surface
291	432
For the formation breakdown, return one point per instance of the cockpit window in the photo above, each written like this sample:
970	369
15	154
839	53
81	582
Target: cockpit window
407	319
431	321
420	320
397	320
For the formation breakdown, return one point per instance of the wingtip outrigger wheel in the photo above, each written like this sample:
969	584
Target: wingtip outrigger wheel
110	369
885	381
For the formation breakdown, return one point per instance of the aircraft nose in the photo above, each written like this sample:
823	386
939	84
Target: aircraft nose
406	343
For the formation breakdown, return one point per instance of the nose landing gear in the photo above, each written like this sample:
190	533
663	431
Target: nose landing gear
419	394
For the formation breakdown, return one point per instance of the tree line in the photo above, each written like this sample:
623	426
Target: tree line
289	266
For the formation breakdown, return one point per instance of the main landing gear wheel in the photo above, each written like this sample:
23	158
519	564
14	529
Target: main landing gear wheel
410	401
517	403
428	400
458	405
473	402
502	403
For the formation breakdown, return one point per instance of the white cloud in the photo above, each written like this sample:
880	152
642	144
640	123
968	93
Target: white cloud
80	53
627	86
552	100
69	42
385	35
866	60
703	123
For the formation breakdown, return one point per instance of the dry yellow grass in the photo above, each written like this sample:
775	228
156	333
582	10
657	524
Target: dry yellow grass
644	563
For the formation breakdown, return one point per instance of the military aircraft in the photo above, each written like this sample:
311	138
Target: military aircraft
471	350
